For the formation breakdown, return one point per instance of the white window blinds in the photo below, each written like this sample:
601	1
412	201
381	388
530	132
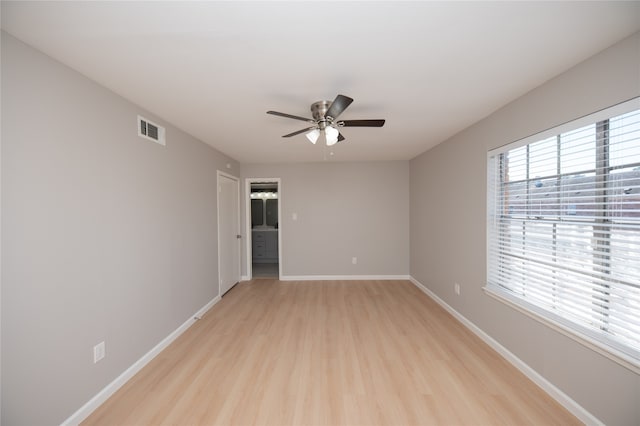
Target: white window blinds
564	226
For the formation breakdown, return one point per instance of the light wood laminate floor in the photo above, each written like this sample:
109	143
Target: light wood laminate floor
329	353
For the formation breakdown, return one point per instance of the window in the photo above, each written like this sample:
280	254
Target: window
564	229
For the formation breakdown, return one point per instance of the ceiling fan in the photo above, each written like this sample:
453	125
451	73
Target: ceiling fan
324	120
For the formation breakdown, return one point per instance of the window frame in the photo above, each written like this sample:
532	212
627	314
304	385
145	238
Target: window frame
574	330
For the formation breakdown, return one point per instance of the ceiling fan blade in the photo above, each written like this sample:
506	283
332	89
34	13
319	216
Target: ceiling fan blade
295	117
299	131
361	123
339	104
340	137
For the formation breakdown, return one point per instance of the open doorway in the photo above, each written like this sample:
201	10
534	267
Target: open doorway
263	228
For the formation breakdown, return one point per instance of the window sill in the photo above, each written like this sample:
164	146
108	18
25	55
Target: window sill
614	355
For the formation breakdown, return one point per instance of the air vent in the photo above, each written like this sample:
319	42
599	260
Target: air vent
150	130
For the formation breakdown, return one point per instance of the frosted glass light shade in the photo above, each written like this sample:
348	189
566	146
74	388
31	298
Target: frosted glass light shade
332	135
313	136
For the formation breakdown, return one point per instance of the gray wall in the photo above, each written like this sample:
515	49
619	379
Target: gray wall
110	237
105	236
344	210
448	217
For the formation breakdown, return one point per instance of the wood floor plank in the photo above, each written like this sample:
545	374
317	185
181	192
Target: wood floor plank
329	353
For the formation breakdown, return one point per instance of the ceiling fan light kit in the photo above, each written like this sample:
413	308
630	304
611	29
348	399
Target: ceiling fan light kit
324	121
331	134
313	136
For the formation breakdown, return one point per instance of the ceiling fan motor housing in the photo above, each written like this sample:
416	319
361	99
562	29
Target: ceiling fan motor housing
318	110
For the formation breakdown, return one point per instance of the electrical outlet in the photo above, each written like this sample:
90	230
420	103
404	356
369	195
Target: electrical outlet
354	260
456	288
98	352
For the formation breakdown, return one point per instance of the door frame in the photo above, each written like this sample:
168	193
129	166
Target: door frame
220	174
247	196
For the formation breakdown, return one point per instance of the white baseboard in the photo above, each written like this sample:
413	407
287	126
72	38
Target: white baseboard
88	408
342	277
561	397
244	278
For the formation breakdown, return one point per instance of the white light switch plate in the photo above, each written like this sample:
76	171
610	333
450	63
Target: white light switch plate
98	352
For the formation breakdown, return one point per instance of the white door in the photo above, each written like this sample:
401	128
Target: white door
228	232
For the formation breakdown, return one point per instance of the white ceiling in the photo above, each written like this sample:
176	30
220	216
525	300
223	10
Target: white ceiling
214	68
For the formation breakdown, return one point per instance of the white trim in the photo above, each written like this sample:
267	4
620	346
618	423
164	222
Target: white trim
220	173
244	278
88	408
561	397
609	352
342	277
608	112
247	217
